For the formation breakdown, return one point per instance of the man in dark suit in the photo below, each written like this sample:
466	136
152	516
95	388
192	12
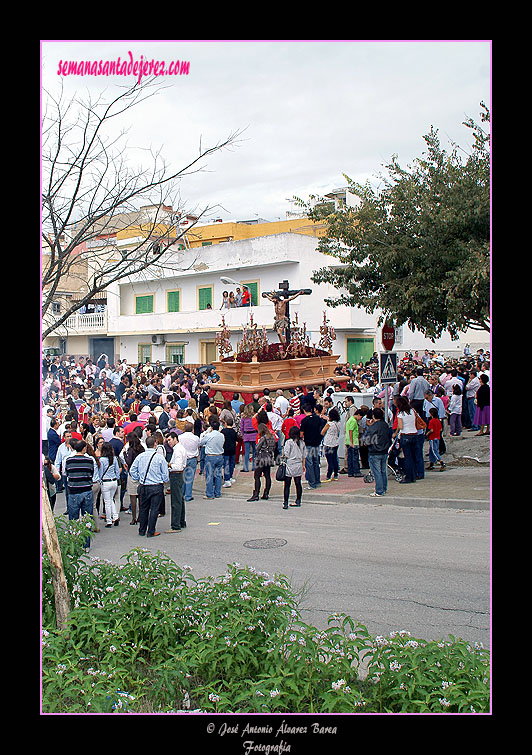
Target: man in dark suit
164	419
54	440
203	401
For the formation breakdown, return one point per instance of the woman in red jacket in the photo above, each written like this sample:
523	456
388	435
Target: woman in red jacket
261	418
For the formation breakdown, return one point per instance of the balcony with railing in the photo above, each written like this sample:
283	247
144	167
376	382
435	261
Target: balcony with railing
94	322
206	320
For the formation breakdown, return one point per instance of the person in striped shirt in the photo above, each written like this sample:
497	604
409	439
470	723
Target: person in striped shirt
294	402
79	472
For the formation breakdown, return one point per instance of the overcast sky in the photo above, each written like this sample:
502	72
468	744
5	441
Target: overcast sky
309	110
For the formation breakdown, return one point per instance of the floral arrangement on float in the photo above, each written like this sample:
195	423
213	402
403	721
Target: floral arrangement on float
254	346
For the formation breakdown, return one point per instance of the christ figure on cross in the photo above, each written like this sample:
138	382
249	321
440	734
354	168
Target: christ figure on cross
280	300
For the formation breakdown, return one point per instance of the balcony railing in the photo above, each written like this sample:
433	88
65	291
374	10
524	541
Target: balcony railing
189	321
96	321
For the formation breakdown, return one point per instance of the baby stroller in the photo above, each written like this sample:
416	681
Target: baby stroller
394	464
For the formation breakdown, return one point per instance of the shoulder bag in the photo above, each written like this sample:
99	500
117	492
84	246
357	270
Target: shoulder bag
140	488
281	470
420	423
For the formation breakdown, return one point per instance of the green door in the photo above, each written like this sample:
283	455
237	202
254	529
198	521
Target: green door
360	350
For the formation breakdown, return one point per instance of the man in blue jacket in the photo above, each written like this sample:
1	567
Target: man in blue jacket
54	439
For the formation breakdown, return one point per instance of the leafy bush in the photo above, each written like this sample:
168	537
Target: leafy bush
147	636
72	536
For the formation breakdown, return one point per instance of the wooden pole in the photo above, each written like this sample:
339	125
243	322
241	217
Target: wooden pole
61	594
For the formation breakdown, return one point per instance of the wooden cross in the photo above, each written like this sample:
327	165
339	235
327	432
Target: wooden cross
281	300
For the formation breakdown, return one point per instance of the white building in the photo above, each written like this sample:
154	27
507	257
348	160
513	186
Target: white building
166	317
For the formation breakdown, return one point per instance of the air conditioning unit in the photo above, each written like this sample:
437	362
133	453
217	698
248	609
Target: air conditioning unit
157	340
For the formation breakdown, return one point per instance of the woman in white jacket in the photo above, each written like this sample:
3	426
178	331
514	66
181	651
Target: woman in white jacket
109	476
293	452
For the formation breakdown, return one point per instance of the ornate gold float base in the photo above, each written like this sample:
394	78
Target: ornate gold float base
248	377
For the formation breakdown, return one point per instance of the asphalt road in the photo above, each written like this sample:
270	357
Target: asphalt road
392	567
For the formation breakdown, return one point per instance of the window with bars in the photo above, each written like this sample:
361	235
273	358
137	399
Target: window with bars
143	304
175	354
144	352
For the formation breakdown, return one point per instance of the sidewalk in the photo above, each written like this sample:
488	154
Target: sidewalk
458	487
464	485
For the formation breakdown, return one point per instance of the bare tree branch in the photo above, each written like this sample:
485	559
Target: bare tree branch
90	193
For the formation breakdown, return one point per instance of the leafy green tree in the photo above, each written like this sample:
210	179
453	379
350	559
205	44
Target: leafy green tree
417	248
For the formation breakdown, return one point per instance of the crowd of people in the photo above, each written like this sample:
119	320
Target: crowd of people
130	434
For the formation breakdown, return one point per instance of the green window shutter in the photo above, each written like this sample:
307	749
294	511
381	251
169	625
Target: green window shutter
204	297
206	243
253	289
173	301
143	305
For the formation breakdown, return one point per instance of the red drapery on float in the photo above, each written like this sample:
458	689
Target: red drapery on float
247	398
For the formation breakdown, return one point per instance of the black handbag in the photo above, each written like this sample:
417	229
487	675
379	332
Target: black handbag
280	475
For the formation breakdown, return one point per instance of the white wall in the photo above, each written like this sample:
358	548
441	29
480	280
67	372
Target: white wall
270	259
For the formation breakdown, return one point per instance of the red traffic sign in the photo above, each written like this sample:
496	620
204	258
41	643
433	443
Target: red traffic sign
388	336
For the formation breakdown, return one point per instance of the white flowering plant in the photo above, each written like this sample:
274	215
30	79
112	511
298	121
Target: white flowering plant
445	676
72	536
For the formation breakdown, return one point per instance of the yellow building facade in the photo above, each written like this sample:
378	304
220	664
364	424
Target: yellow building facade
216	233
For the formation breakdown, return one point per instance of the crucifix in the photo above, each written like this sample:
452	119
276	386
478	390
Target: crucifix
281	299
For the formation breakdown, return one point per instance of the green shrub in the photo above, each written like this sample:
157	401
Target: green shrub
146	636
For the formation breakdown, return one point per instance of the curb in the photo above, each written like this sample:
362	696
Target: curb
426	503
391	500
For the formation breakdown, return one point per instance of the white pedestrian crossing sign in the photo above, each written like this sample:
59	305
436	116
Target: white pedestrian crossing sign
388	367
